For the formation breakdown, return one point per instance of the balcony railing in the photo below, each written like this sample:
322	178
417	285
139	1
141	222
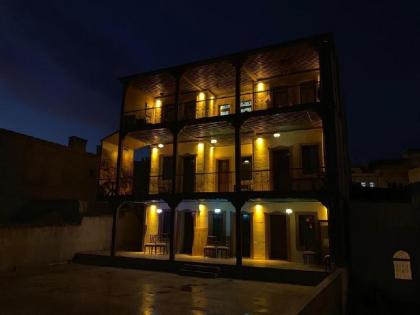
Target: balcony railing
296	179
206	182
149	115
276	97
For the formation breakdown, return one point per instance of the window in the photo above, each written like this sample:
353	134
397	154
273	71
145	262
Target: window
217	229
402	265
167	167
224	109
308	92
310	159
246	106
307	239
246	168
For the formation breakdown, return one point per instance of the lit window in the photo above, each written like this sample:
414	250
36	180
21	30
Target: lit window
402	265
224	109
246	106
363	184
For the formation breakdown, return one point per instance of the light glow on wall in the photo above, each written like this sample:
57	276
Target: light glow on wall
201	96
260	86
200	147
260	141
158	103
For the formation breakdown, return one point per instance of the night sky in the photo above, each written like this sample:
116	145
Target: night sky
60	60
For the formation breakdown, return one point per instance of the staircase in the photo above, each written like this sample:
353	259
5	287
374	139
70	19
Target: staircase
202	271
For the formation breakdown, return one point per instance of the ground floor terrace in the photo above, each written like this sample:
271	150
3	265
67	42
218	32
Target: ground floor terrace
274	233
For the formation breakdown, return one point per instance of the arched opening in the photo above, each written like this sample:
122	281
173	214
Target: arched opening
402	265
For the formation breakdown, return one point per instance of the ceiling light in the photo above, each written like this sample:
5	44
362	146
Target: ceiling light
159	210
289	211
217	210
160	145
276	135
213	141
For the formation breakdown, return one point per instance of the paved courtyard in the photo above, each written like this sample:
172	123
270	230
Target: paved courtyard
78	289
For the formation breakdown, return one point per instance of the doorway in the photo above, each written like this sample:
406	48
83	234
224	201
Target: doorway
222	175
188	174
280	166
246	235
188	233
189	110
278	236
281	96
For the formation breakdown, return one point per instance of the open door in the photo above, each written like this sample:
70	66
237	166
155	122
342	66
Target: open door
188	233
280	165
188	175
223	175
278	236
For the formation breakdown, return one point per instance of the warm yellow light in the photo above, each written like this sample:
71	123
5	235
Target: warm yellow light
212	97
258	208
201	96
260	86
289	211
276	135
153	208
213	141
158	103
200	146
160	145
260	140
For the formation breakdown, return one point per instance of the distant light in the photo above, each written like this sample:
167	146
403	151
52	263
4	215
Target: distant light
213	141
245	215
246	161
217	210
289	211
159	210
363	184
160	145
276	135
371	184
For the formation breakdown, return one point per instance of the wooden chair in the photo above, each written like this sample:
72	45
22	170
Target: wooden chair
210	248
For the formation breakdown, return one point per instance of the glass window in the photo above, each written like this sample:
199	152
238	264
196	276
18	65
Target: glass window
310	159
246	168
224	109
308	92
246	106
307	235
167	167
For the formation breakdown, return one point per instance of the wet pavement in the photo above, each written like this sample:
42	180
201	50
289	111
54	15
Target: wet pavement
79	289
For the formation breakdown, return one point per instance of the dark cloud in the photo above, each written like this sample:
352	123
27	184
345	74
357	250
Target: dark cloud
59	61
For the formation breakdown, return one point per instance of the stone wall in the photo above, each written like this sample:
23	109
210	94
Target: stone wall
28	246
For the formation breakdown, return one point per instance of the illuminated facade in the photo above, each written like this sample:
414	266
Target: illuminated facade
239	160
